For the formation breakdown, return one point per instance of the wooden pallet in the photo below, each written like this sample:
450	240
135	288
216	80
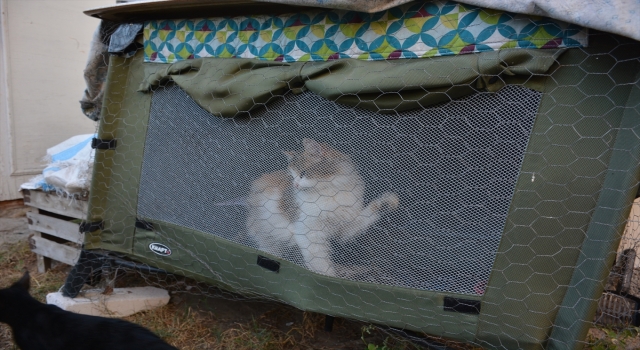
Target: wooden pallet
56	225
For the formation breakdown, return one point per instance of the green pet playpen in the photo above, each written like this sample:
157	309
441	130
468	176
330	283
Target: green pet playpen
487	161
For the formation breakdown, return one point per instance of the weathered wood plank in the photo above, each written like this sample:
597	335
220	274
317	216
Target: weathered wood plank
72	207
44	263
53	250
55	227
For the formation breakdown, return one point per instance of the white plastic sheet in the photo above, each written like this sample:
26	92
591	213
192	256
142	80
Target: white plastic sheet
69	168
614	16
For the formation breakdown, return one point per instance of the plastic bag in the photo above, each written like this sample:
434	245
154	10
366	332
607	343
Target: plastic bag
69	168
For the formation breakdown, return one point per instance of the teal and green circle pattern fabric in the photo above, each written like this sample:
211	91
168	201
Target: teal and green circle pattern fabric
414	30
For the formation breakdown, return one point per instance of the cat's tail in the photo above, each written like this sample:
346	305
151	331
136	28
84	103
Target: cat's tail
238	201
384	204
378	207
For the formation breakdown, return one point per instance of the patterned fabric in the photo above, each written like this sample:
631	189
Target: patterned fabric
419	29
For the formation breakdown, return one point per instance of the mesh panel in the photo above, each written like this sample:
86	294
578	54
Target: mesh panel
453	168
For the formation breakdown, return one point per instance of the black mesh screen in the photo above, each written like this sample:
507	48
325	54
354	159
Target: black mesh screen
453	167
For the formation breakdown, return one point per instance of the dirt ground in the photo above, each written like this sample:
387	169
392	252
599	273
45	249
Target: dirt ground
13	223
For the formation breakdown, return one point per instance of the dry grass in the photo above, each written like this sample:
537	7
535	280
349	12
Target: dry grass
181	328
211	320
207	320
16	259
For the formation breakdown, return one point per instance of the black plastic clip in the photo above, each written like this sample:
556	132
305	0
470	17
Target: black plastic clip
268	264
91	226
103	144
462	305
145	225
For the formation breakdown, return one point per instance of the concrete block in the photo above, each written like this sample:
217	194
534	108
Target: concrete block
122	302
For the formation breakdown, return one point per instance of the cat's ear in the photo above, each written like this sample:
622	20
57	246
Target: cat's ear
289	154
24	282
312	147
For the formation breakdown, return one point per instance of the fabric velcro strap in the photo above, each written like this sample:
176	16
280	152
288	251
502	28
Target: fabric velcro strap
91	226
103	144
268	264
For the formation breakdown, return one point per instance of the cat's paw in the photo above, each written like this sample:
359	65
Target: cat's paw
389	201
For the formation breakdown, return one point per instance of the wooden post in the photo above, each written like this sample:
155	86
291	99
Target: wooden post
44	263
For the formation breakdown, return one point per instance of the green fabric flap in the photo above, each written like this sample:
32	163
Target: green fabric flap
227	87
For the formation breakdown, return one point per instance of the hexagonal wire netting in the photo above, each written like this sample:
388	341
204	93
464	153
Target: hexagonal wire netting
495	197
453	167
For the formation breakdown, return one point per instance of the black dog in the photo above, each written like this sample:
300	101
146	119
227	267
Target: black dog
38	326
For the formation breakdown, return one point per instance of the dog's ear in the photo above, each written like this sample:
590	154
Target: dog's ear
23	283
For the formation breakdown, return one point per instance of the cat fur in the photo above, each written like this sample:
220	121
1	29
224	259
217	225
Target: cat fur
318	197
38	326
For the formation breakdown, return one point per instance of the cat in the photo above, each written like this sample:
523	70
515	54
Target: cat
38	326
318	197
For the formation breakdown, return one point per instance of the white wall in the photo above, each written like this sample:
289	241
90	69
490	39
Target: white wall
43	50
631	236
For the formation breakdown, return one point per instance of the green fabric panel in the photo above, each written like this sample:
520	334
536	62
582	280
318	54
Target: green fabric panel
394	86
114	187
603	236
568	153
103	162
557	192
226	87
233	267
225	264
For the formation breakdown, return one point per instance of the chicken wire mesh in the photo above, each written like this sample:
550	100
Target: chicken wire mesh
478	218
453	172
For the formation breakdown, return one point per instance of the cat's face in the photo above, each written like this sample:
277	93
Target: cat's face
302	179
315	165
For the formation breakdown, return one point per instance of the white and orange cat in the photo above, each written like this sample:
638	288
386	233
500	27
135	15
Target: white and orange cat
318	197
